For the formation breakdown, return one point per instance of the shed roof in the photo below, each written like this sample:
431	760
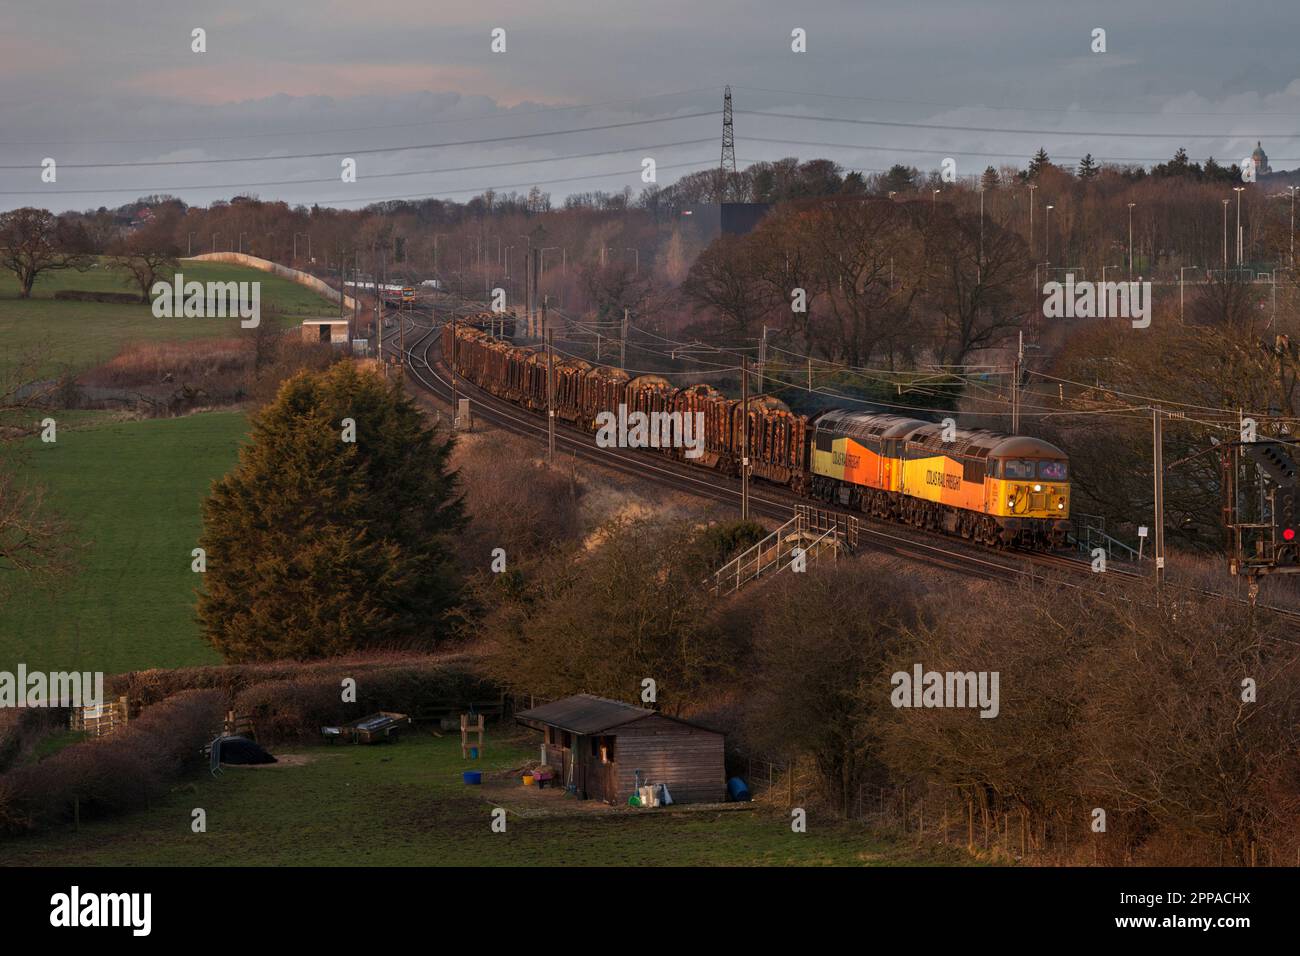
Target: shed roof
585	714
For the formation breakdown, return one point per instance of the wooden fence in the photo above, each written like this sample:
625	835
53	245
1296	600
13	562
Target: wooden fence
100	720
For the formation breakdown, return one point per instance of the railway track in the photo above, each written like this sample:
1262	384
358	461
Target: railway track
423	354
424	366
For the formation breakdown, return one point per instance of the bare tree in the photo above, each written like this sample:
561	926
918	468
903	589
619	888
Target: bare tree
147	256
33	241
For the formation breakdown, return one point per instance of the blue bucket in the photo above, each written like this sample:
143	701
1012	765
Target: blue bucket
472	777
473	753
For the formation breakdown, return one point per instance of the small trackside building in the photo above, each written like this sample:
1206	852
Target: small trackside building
597	746
334	331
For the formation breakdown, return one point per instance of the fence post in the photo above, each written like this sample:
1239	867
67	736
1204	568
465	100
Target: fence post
970	823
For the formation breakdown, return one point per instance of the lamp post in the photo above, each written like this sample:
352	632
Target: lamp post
1130	239
214	241
1032	187
1225	235
189	242
1047	235
1292	188
1238	190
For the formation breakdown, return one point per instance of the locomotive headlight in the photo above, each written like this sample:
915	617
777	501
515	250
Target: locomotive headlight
1011	502
1038	487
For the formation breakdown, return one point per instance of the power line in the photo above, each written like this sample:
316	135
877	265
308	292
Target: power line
1021	109
333	179
1028	132
358	129
964	152
522	185
335	153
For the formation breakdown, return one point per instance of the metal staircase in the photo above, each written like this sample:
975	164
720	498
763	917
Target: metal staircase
808	537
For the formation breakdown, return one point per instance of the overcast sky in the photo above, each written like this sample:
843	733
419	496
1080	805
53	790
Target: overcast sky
90	83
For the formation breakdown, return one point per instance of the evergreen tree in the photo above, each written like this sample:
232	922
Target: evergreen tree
1087	167
990	178
900	179
318	546
1039	161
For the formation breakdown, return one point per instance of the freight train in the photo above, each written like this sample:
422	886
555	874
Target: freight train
995	489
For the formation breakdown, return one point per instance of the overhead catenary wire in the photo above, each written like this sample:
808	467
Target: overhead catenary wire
506	114
335	153
334	179
1004	108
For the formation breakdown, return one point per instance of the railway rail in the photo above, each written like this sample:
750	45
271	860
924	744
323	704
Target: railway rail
424	364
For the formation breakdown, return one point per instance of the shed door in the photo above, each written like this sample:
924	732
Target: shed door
598	759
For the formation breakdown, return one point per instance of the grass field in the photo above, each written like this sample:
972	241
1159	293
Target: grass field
75	335
132	491
404	804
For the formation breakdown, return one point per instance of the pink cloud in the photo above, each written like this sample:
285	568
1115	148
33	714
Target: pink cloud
220	84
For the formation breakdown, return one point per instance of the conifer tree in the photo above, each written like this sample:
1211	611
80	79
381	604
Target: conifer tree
316	545
1039	162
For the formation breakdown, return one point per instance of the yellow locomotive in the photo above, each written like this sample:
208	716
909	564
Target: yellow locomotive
991	488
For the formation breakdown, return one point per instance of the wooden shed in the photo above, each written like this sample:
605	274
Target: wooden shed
597	746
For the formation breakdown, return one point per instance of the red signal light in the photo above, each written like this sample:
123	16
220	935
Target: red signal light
1288	534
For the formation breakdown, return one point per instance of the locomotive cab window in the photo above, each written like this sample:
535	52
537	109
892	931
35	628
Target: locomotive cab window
1053	470
1017	468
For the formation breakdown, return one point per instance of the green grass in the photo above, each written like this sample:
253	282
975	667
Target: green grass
132	491
72	336
51	744
404	804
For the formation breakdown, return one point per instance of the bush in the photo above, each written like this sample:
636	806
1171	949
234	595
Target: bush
148	687
296	709
112	774
514	501
75	295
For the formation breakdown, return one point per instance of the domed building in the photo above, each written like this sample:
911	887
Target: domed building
1260	159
